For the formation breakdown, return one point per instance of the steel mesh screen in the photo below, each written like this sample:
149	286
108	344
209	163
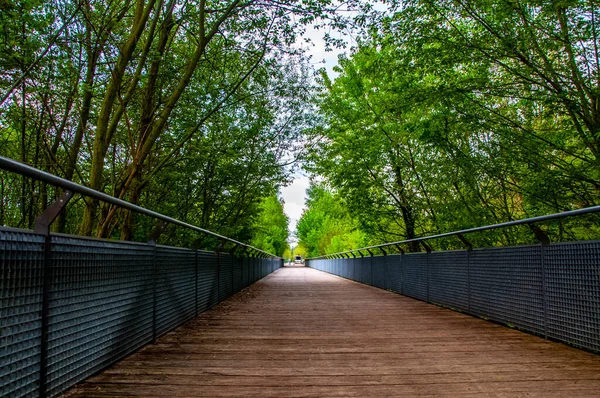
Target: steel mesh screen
414	275
393	273
506	286
448	279
245	271
365	270
100	306
21	284
573	293
175	287
378	271
208	294
105	300
238	282
225	276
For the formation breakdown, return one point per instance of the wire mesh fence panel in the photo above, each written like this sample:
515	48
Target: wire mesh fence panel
208	288
21	284
357	272
552	291
253	270
448	279
414	275
378	271
245	272
572	279
393	273
225	276
348	268
238	281
175	287
263	267
506	286
365	270
100	306
334	266
353	266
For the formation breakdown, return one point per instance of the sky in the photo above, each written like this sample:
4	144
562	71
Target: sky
294	195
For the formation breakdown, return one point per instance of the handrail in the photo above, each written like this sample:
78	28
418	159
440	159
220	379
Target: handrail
36	174
532	220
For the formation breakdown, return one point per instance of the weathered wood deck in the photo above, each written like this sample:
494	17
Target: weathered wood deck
304	333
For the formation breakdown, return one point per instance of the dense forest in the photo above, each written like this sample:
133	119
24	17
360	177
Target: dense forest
442	115
454	114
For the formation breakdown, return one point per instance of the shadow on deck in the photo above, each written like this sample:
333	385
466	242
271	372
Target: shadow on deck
305	333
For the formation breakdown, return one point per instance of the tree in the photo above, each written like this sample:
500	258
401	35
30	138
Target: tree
326	225
122	96
442	120
271	227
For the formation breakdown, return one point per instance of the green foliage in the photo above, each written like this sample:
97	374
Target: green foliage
300	250
459	114
287	254
270	227
326	226
187	108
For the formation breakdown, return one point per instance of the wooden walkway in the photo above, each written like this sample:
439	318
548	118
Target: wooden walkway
303	333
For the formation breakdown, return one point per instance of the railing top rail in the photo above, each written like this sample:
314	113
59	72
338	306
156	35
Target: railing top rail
36	174
532	220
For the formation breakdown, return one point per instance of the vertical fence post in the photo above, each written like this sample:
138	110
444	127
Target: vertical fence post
469	280
469	246
402	273
218	277
401	250
195	246
154	284
47	282
428	250
42	227
544	287
544	243
196	282
427	274
160	228
384	253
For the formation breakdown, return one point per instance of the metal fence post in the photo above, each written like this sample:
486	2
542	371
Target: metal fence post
468	280
152	242
544	287
47	282
428	250
469	249
196	282
218	277
42	227
154	278
195	245
544	242
402	273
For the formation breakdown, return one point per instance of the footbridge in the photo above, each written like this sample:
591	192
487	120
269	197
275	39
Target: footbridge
82	317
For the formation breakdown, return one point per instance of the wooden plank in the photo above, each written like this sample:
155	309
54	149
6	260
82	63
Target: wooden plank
304	333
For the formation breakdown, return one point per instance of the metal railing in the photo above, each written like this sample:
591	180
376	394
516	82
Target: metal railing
72	187
531	222
71	306
549	289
